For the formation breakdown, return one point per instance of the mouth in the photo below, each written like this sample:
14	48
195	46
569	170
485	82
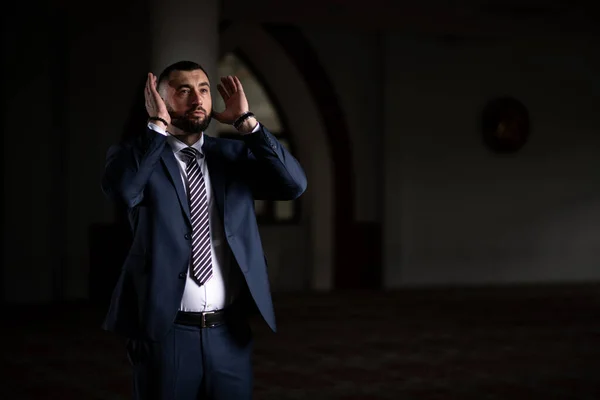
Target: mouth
197	113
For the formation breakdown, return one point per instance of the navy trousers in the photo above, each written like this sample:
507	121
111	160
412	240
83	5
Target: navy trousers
192	363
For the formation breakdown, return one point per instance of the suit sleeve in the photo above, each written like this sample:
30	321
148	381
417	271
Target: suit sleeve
272	172
129	166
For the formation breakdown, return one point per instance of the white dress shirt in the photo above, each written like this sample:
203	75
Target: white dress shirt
225	284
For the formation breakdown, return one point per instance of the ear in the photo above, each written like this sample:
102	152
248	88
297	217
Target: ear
161	90
163	96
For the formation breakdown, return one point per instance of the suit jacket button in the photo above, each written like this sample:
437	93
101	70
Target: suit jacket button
182	275
187	236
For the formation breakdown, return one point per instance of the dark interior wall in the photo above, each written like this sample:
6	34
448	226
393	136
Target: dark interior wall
70	76
456	213
31	129
108	63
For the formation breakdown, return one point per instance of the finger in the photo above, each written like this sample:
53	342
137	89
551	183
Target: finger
232	84
238	84
227	83
223	86
223	92
147	87
147	91
147	94
153	86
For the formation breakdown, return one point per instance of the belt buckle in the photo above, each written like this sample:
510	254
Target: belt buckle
203	319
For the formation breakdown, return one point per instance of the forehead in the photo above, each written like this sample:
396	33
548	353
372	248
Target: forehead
193	78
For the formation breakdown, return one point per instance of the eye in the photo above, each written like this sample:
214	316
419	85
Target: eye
184	91
204	91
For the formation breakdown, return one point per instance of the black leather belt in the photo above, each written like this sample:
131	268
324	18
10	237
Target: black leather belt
208	319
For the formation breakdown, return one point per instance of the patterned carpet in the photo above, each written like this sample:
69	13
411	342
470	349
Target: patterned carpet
487	343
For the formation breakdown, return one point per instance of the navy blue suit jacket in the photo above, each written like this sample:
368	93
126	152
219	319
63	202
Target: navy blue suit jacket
143	173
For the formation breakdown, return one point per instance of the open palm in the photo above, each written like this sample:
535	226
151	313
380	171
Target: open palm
155	105
233	95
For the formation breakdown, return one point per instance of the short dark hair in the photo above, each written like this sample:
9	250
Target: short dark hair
179	66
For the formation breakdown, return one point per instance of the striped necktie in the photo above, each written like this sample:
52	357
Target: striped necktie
201	262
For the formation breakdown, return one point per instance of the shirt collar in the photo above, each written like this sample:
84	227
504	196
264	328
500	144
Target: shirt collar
177	145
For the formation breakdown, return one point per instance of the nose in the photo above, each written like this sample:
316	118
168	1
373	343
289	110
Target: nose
196	98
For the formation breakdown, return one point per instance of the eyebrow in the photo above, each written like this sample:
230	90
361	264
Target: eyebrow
187	85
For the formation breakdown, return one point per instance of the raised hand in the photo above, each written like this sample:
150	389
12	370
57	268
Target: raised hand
155	105
233	95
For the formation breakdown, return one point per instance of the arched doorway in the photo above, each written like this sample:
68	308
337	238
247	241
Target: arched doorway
284	233
317	122
306	126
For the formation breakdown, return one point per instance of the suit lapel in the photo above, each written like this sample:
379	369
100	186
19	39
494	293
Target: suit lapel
168	158
216	170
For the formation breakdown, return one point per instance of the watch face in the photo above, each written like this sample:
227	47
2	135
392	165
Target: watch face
505	125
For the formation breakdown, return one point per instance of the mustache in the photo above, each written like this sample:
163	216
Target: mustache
193	110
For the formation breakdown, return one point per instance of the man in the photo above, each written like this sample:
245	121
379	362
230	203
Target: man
196	266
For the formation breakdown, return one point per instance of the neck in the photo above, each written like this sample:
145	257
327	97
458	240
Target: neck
185	137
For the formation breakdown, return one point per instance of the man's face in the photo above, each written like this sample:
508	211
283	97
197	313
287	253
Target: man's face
188	100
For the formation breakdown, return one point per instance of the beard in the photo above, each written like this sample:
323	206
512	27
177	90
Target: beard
189	124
